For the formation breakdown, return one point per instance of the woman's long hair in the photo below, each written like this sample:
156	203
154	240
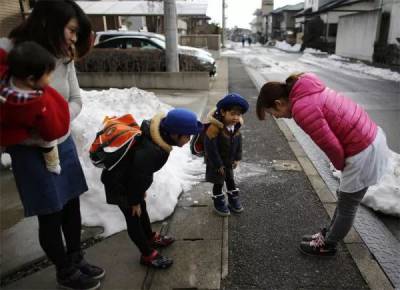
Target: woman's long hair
45	25
272	91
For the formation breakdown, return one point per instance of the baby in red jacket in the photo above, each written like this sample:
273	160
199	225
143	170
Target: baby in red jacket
32	113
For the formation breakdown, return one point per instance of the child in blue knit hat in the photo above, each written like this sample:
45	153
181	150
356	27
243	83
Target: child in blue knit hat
223	151
126	183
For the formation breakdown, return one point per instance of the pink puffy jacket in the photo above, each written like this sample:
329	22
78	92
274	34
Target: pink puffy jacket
340	127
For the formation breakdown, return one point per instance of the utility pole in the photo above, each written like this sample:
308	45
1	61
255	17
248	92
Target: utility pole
171	35
223	24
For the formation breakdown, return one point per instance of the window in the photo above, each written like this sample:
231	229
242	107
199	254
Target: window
332	29
114	43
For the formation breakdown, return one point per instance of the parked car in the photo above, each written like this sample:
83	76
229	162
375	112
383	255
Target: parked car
148	41
104	35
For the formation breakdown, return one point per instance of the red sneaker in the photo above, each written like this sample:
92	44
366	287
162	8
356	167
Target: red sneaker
160	241
155	260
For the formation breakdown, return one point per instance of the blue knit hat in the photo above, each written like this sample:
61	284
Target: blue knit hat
233	99
181	121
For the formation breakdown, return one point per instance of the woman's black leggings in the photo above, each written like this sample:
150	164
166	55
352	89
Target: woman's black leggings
51	227
139	228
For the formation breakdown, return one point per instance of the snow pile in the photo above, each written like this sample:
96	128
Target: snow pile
314	51
384	196
344	63
180	172
283	45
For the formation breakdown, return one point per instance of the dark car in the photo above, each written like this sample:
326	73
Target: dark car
154	43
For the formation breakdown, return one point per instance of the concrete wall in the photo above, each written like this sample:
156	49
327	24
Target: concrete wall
151	80
210	41
10	16
394	31
356	35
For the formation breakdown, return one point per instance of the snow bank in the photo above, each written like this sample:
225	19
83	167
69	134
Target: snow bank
180	172
344	63
384	196
283	45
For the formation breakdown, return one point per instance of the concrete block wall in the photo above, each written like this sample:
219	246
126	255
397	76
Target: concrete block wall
10	16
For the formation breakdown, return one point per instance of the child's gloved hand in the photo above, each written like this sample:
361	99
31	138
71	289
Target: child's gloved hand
221	170
136	210
235	164
52	160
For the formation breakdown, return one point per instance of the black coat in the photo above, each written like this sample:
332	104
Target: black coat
127	182
221	147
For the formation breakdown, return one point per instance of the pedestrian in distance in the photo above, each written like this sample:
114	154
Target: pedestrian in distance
249	40
243	40
28	105
126	183
348	136
223	151
64	30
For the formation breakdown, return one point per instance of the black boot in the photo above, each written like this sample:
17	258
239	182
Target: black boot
72	278
79	262
234	202
220	205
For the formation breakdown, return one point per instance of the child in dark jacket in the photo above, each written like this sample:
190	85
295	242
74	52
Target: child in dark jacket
126	184
223	151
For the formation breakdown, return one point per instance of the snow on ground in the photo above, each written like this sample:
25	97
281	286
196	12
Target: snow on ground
343	63
180	172
384	196
283	45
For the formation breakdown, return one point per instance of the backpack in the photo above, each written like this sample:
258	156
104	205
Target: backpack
112	142
197	142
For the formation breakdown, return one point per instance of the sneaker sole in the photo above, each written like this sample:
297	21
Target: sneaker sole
236	210
330	255
101	276
154	267
69	288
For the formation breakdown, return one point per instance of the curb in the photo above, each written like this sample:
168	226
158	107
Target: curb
364	260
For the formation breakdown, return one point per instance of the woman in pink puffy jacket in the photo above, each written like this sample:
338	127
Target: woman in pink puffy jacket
344	131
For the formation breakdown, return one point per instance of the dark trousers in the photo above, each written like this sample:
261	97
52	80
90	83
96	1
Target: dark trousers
139	228
229	181
53	226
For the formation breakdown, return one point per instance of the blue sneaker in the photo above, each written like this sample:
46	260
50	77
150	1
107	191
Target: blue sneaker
234	202
220	205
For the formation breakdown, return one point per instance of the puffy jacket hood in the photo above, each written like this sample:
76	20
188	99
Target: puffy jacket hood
306	85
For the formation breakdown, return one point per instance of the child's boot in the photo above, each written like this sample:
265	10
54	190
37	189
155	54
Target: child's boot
318	247
159	241
155	260
309	238
234	202
220	205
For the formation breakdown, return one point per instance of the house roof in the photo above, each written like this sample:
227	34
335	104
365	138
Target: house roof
140	8
328	6
295	7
